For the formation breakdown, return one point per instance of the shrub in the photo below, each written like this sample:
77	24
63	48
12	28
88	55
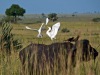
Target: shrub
53	17
96	19
64	30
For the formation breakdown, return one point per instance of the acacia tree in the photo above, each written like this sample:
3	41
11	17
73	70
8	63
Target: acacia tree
15	10
53	16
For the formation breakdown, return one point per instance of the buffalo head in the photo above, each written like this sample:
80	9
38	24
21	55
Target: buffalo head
85	50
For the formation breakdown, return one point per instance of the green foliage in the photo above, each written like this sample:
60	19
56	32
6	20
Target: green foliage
64	30
96	19
73	15
7	40
15	10
53	16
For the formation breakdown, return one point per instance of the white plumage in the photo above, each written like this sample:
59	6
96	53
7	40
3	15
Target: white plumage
47	20
39	30
52	32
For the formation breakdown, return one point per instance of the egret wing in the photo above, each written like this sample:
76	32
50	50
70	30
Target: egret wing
55	28
29	28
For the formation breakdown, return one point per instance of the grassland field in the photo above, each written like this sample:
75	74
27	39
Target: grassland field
76	25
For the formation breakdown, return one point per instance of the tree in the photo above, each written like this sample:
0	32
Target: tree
43	15
15	10
73	15
53	16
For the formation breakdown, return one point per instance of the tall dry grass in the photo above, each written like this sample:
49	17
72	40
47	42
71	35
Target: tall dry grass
12	66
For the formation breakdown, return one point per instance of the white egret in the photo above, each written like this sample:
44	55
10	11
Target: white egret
52	32
39	30
47	20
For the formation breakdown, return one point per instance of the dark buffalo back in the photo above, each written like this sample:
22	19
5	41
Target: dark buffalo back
39	54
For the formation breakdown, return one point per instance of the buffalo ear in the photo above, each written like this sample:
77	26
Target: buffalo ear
76	39
72	39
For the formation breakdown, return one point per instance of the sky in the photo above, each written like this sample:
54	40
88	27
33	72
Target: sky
52	6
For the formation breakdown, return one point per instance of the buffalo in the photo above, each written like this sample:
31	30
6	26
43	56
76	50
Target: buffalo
36	55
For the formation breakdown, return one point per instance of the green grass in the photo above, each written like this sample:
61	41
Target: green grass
87	30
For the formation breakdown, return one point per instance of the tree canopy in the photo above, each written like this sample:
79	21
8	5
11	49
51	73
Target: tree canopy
53	16
15	10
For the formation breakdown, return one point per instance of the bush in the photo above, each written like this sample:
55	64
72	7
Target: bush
96	19
53	17
64	30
